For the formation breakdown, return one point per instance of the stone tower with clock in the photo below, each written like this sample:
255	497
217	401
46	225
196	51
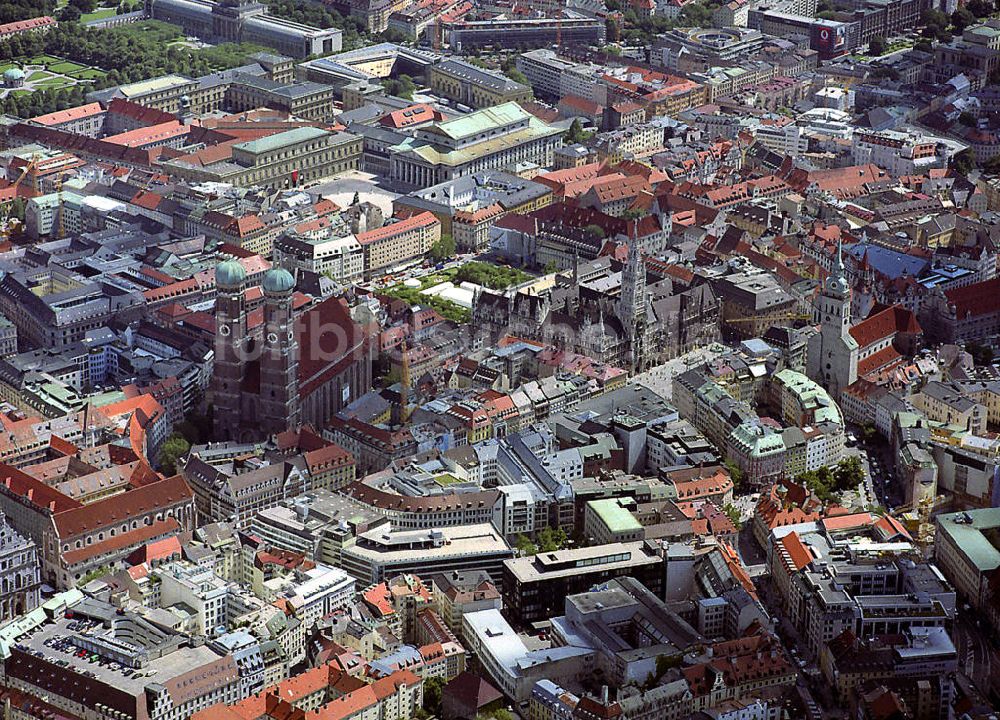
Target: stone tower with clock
279	357
833	353
292	362
255	380
232	346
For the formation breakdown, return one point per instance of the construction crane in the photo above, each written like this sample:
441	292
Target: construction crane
925	524
10	224
61	227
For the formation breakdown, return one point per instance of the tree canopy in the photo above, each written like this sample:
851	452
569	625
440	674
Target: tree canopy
14	10
826	483
964	161
981	8
323	16
402	86
433	693
129	53
491	276
443	249
936	24
173	449
576	133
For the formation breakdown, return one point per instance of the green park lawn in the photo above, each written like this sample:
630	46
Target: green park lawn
87	74
99	14
65	67
55	82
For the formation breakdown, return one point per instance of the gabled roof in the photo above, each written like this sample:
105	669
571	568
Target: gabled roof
799	555
123	507
980	298
69	114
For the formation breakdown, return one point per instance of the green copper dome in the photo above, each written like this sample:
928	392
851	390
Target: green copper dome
230	274
13	74
278	280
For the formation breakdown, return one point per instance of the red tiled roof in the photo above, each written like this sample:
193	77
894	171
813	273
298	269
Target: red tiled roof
888	527
145	115
416	114
980	298
617	188
798	553
841	182
35	491
325	207
326	331
147	200
125	540
883	324
581	104
63	116
331	455
848	522
884	358
423	219
120	508
26	25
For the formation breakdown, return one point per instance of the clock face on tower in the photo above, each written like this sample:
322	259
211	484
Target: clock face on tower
272	338
225	330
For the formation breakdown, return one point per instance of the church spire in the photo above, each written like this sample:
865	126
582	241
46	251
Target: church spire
632	298
400	412
836	282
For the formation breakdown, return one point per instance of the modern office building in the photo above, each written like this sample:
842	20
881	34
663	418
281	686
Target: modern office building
965	548
317	524
341	258
381	553
573	29
398	242
534	587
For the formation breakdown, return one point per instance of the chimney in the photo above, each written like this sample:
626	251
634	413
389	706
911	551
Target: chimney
604	695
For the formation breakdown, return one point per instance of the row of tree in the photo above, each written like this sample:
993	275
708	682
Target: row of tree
321	16
848	474
43	101
547	540
14	10
491	276
129	53
642	29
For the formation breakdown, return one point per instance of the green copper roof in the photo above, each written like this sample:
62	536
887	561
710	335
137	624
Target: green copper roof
481	120
614	516
280	140
278	280
230	273
974	538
